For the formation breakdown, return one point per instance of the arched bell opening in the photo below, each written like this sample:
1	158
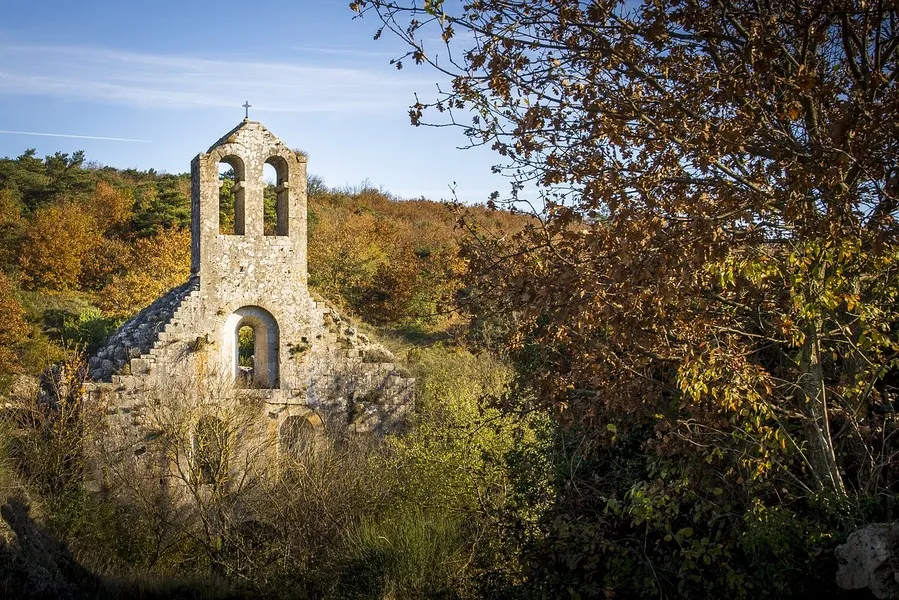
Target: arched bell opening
275	196
252	343
232	206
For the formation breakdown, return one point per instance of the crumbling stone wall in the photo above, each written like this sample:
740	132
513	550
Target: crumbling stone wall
321	365
353	382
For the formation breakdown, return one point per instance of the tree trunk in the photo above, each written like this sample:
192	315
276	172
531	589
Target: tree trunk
821	457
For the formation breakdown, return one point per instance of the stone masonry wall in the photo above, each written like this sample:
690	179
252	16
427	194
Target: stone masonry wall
353	382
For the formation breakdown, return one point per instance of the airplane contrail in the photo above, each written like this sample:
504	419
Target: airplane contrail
80	137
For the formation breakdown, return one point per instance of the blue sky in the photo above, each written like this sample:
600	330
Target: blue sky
168	78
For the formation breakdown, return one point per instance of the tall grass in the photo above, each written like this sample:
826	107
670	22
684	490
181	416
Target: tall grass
408	552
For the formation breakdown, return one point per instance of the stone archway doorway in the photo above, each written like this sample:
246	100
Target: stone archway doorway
256	366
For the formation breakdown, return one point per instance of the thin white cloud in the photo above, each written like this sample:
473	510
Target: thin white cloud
352	52
169	81
70	135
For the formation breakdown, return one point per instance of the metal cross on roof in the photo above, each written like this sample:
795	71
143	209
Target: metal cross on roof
247	106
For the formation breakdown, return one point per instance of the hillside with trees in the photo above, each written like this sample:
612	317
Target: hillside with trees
84	248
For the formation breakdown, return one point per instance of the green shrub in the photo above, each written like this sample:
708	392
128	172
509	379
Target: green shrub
405	553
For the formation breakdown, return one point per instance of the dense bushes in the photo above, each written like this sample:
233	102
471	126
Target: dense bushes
707	299
347	518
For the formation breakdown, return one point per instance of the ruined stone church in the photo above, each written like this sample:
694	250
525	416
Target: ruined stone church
307	367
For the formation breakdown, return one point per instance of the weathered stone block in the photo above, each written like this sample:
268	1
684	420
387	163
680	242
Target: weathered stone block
870	559
139	366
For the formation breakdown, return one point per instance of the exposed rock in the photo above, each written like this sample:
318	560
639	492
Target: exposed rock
870	559
23	387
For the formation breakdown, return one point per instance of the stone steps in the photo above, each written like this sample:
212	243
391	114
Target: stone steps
163	334
170	331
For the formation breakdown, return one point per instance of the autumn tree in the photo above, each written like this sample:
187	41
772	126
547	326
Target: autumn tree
389	261
715	258
344	254
57	245
15	328
417	285
157	264
110	207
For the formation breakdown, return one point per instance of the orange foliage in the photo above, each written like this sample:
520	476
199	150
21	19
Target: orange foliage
59	240
14	330
108	259
345	254
389	261
158	263
111	207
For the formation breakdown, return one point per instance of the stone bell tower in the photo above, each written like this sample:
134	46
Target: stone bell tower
247	149
247	277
